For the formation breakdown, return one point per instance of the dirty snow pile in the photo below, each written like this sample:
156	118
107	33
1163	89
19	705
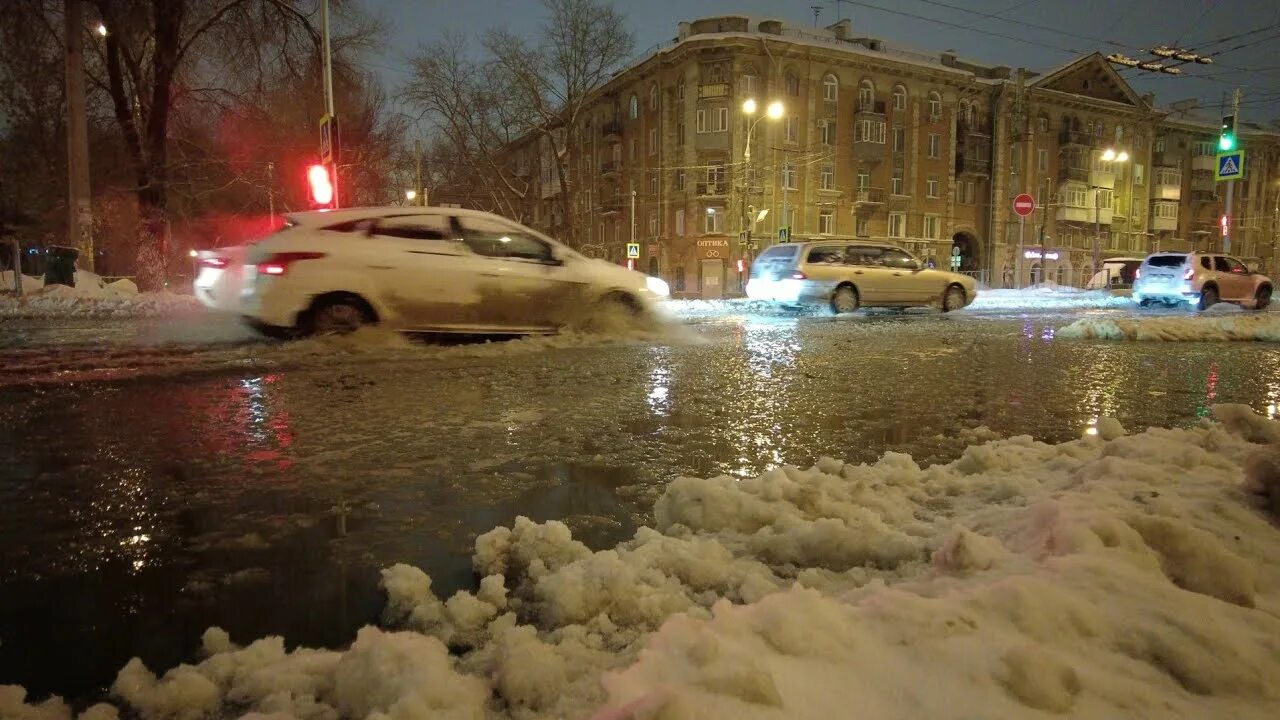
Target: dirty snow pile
1211	327
1047	298
1118	575
92	298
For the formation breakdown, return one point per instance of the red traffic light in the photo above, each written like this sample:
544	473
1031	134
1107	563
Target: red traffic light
320	185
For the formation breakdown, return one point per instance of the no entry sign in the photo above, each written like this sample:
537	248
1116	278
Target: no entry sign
1024	205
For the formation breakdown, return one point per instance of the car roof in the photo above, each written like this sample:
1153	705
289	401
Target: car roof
324	218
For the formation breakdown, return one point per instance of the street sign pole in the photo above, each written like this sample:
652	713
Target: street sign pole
1231	184
1022	230
1023	205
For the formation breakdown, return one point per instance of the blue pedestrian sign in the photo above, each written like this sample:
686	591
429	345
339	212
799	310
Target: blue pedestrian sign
1231	165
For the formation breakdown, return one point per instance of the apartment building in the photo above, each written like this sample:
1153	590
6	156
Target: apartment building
882	143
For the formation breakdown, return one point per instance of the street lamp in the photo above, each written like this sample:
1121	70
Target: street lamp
410	195
101	30
1109	155
774	111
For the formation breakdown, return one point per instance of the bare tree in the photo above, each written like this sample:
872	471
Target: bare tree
552	78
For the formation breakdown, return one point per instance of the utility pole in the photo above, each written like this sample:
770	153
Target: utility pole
328	92
271	196
79	210
1231	184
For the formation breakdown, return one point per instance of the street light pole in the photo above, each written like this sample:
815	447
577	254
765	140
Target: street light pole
328	88
80	211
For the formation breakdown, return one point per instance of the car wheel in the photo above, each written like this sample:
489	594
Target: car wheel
621	301
1146	302
1208	297
337	316
953	298
1263	298
845	300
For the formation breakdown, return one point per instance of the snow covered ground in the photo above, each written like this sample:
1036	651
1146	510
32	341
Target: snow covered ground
90	298
1220	323
1116	575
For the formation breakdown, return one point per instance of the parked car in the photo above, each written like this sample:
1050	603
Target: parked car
220	277
848	275
420	270
1117	275
1201	278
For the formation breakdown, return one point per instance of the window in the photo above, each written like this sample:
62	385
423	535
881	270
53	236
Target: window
826	223
830	88
680	90
932	227
653	141
750	83
1073	197
715	74
679	179
931	187
653	223
792	83
714	221
828	177
1137	173
1099	129
895	183
1042	159
1166	210
634	107
1042	123
891	257
653	182
867	130
899	98
713	120
789	176
897	224
1044	189
430	227
631	148
1159	144
862	227
1205	148
715	173
680	223
494	240
963	113
653	96
899	138
828	131
793	129
680	134
1102	198
866	95
966	192
864	179
935	145
935	106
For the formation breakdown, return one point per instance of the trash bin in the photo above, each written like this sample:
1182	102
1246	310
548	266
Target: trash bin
60	265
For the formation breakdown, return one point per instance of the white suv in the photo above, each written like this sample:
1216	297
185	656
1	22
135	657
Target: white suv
424	270
1202	278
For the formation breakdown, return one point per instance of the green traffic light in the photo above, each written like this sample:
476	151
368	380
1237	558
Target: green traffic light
1226	142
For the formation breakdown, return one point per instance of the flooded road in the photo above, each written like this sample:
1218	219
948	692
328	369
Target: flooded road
152	490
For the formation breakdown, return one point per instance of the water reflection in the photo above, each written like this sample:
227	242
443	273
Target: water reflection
658	397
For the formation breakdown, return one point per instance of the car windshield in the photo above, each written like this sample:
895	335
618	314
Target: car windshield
1166	260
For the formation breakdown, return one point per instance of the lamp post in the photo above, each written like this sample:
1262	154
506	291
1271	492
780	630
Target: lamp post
774	111
1108	155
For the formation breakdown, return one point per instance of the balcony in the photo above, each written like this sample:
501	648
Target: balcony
1204	196
711	91
1205	162
1166	184
1067	173
1204	180
868	196
969	165
867	150
713	189
1164	216
1074	213
610	169
1102	178
1075	137
611	131
871	108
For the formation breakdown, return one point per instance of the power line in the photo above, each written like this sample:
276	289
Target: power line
869	6
1208	7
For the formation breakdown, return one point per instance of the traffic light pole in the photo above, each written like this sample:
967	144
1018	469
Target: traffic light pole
328	90
1231	184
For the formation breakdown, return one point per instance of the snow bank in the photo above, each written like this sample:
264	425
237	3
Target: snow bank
1047	298
119	299
1123	574
1218	327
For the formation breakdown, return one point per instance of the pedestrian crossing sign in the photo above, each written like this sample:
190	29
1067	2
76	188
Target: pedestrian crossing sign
633	250
1231	165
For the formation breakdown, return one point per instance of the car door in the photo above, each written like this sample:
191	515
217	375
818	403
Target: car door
422	272
522	285
1236	275
823	265
869	273
907	282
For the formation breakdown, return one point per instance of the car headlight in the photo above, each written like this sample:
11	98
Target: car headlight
657	286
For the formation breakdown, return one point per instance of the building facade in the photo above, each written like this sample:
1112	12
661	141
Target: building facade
926	151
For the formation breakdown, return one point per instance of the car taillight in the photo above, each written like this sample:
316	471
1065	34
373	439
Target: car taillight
1137	273
215	262
279	263
799	276
1188	273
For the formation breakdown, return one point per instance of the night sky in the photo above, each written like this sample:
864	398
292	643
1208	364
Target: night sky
1129	25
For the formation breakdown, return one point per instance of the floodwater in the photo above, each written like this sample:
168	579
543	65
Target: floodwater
150	491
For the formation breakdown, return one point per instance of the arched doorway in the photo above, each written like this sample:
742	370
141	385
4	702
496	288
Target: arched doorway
968	245
653	266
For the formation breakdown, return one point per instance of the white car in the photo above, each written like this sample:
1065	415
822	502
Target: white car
419	270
